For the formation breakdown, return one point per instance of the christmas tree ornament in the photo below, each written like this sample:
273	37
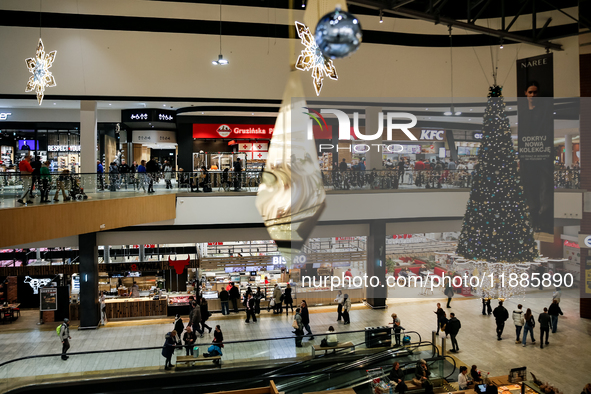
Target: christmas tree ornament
338	34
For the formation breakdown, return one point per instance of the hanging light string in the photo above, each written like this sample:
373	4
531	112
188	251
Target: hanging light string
40	14
495	69
451	57
220	27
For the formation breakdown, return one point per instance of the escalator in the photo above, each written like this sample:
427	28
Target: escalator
339	370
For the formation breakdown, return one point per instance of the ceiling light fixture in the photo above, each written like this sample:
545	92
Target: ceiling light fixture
221	61
381	17
501	46
452	110
303	3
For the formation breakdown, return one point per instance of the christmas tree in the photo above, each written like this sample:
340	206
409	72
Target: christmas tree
497	227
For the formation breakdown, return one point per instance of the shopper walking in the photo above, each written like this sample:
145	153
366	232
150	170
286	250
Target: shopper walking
26	170
189	338
440	316
449	291
100	173
518	320
113	177
204	309
288	299
528	325
453	328
397	329
124	170
152	171
486	308
224	297
339	301
554	311
168	348
168	174
250	308
218	336
45	181
64	335
195	320
557	294
501	315
62	181
277	299
545	321
237	175
234	296
142	175
179	327
298	326
258	296
346	309
306	318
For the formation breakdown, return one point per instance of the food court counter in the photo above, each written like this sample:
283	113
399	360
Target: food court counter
325	296
124	308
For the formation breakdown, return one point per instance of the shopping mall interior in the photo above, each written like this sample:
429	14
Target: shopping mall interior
193	196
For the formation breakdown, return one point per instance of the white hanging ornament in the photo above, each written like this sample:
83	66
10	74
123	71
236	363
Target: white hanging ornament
39	66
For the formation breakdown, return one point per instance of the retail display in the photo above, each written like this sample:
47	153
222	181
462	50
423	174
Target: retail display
39	66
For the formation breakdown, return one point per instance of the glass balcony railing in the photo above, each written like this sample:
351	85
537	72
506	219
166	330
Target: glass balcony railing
275	353
60	187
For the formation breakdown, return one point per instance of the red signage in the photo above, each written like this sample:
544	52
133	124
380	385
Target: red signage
571	244
233	131
247	131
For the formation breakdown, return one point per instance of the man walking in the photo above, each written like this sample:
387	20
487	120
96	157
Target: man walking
224	297
277	299
124	170
152	170
64	334
195	319
100	171
501	315
306	318
544	320
452	328
250	304
554	311
234	296
26	170
518	319
440	316
237	175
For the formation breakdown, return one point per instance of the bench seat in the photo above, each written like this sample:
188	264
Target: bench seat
340	345
191	360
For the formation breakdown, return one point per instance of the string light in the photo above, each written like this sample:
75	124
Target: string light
312	58
381	17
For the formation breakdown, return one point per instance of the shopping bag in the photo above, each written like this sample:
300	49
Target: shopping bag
195	351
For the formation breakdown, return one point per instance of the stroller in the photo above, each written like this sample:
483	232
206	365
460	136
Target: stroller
77	191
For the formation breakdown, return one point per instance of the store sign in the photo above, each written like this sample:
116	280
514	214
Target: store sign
179	265
4	115
278	260
571	244
63	148
228	130
153	136
432	135
36	283
477	135
148	115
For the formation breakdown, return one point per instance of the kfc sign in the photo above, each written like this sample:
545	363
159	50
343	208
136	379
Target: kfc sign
233	131
432	135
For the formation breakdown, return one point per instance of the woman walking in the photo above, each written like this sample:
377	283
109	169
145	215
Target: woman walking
287	299
258	296
346	309
529	325
298	326
168	348
178	328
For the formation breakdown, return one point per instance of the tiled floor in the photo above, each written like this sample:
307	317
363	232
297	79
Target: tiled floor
565	362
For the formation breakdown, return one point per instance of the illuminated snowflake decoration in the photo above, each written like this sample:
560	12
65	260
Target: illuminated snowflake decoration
39	66
312	58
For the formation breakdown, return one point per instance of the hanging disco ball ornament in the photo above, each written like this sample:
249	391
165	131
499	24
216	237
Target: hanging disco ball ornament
338	34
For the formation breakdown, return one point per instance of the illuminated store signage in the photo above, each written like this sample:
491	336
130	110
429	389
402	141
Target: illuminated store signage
432	135
477	136
571	244
233	131
154	136
4	115
63	148
148	115
36	283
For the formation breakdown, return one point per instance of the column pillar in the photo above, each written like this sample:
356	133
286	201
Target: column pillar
89	308
376	265
373	158
88	138
568	150
107	254
142	254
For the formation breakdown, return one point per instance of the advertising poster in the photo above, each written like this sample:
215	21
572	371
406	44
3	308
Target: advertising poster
535	92
48	298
